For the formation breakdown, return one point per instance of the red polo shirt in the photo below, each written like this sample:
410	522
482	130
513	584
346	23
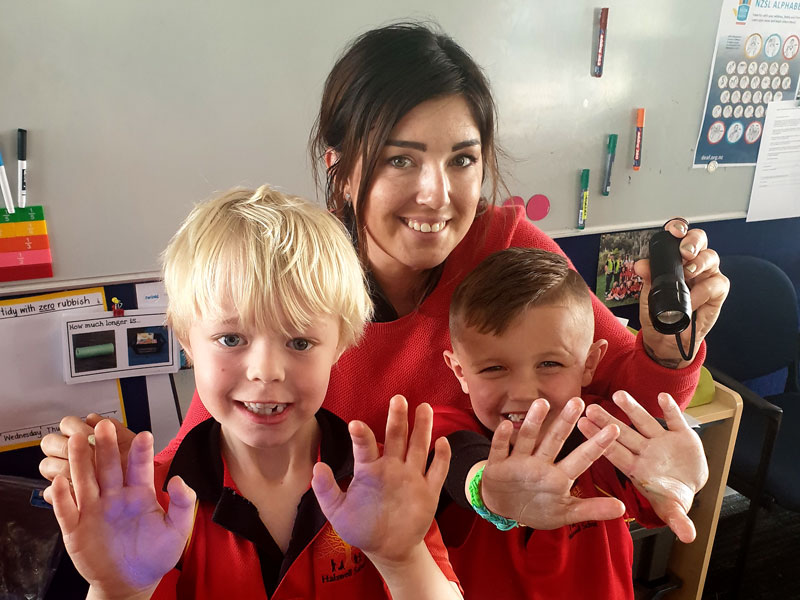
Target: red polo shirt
231	554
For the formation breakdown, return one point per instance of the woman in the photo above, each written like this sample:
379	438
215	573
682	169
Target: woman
407	131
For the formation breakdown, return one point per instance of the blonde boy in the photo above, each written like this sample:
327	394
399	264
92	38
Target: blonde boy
265	292
521	326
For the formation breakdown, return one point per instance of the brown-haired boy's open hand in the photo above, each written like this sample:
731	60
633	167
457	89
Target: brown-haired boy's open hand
118	536
526	484
667	466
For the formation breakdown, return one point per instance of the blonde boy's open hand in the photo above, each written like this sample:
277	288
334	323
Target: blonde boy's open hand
116	533
526	484
667	466
391	501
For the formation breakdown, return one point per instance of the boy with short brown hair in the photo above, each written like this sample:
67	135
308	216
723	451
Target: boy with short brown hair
522	331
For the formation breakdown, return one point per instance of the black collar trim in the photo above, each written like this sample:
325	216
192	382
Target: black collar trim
198	461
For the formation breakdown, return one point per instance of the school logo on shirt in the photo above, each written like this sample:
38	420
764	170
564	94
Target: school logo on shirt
336	559
576	528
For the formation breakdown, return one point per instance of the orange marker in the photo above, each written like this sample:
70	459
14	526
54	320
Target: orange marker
637	147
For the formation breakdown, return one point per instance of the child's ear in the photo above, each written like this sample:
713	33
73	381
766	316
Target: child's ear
452	361
596	352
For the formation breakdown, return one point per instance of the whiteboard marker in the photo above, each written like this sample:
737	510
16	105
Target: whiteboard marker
22	167
637	147
6	191
583	199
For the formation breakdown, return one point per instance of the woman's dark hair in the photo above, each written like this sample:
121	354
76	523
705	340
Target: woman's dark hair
381	76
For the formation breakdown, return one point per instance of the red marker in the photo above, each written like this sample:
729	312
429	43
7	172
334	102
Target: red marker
597	71
637	147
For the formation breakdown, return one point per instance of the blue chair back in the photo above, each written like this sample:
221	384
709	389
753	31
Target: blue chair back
757	331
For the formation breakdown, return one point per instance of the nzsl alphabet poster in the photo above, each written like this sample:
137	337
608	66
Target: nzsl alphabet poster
755	62
33	395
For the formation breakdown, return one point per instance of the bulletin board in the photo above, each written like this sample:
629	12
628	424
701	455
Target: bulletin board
137	110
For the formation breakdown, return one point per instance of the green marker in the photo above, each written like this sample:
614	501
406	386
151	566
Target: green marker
98	350
583	199
612	150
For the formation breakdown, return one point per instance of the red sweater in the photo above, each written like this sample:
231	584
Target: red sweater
590	560
405	356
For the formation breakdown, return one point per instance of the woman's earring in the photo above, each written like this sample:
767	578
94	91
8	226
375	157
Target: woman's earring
347	198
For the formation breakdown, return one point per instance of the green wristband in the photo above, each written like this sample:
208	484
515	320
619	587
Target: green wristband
502	523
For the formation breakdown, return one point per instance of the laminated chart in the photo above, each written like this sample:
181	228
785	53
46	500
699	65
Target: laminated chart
24	245
34	397
755	63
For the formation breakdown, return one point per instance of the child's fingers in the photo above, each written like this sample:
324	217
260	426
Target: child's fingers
420	441
439	465
72	425
93	419
47	494
181	505
106	453
84	480
628	437
325	489
580	459
594	509
672	413
64	507
644	422
365	447
140	461
681	525
501	439
50	467
396	428
617	453
554	439
530	428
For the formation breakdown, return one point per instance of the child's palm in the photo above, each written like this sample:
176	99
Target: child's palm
667	466
390	503
526	484
117	534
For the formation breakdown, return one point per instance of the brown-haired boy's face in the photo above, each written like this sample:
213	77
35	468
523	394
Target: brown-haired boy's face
546	352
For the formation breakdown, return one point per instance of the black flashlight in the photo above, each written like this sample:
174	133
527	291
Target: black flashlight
669	301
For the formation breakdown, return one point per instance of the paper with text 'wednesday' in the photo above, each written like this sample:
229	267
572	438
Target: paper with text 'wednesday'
34	397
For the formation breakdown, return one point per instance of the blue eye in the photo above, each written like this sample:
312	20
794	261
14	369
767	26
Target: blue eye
549	364
230	340
300	344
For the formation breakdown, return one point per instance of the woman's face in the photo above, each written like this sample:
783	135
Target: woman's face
425	188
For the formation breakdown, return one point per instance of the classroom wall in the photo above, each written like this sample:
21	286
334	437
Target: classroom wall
137	110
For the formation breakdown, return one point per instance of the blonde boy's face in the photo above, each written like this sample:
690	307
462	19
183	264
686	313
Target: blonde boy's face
546	352
262	386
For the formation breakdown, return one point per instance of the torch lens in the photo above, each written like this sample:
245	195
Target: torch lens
670	317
